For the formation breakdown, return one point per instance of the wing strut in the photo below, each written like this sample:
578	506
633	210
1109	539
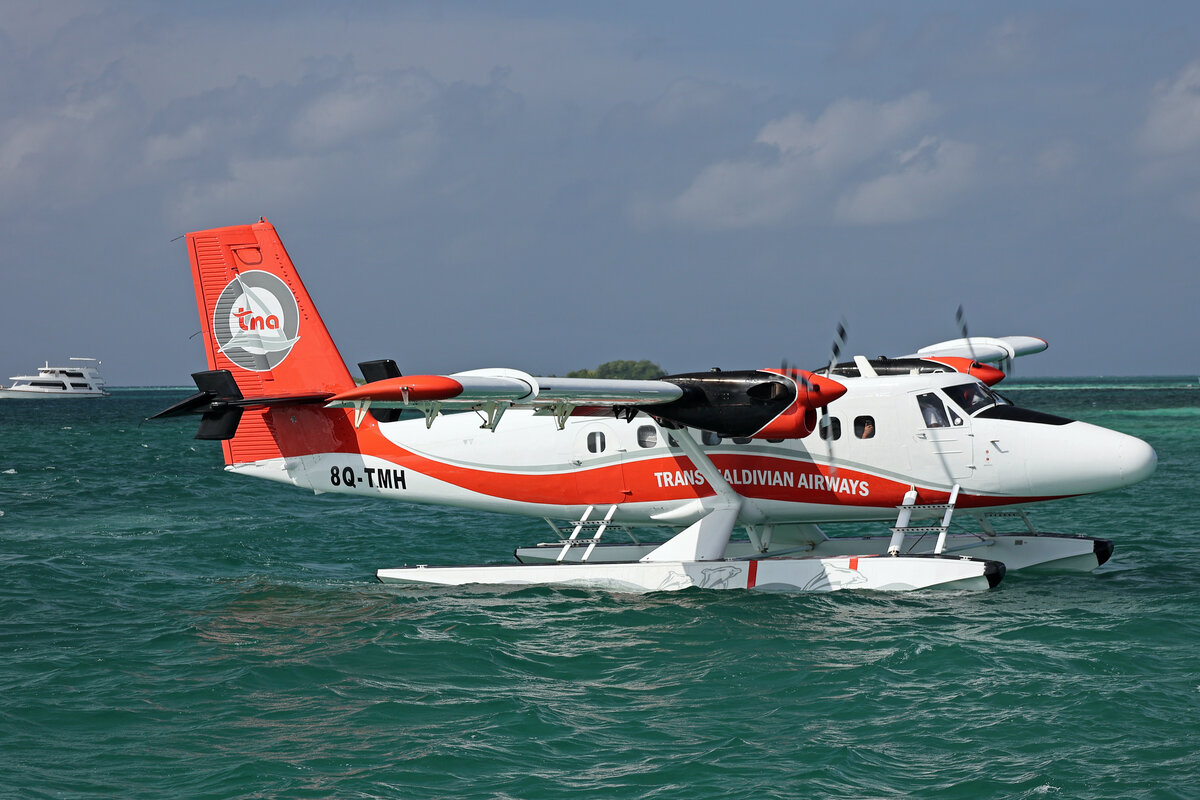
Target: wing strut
706	538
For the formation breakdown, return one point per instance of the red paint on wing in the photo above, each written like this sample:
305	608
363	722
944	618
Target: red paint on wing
411	388
989	375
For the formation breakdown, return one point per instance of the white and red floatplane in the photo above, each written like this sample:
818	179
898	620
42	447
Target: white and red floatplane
921	441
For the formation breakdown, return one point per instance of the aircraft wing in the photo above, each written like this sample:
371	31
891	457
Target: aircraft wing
477	388
765	403
984	349
771	404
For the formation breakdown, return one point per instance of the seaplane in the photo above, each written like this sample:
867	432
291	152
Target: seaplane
717	479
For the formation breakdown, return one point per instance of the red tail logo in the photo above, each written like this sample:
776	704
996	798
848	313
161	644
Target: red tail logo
256	321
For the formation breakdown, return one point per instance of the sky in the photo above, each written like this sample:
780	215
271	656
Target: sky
549	186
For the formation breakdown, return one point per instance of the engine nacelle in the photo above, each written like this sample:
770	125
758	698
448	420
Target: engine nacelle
759	404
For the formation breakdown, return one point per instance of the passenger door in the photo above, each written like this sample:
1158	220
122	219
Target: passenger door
599	457
942	449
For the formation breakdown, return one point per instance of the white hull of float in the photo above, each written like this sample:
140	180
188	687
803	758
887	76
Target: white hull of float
1025	551
884	573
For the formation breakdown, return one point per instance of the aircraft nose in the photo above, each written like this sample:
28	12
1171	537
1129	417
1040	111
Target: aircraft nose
1080	458
1138	459
1113	459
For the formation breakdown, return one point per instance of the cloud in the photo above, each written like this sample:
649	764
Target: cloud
70	148
1169	143
926	179
332	129
1057	157
1172	125
254	146
742	194
166	147
1012	42
859	162
849	132
363	106
864	43
687	99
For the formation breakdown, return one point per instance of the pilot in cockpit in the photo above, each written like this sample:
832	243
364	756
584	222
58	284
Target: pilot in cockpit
932	411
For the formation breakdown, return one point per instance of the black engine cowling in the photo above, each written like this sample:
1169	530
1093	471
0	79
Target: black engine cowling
727	403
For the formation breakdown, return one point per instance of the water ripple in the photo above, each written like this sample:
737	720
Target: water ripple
171	630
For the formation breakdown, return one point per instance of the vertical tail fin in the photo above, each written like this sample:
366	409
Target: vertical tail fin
260	324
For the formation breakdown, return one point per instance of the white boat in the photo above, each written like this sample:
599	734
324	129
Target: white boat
81	380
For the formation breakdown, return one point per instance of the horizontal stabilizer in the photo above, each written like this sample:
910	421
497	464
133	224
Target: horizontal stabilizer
213	384
221	403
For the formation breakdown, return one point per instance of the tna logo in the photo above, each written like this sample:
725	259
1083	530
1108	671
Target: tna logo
256	321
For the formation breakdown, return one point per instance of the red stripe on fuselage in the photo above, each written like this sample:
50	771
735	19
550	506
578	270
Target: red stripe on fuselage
306	430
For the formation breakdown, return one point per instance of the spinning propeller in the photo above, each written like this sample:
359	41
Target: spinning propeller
960	319
835	353
800	376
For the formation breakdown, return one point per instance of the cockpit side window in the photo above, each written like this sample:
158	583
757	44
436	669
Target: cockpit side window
933	411
955	419
972	397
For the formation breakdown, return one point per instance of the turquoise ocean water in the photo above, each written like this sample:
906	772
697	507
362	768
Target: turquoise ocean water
168	630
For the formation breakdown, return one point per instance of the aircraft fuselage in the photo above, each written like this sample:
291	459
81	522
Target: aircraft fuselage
885	436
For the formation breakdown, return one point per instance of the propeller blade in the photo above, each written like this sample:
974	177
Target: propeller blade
960	318
835	354
839	341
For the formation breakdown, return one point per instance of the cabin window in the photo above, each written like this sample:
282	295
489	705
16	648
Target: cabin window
742	440
73	374
77	385
710	438
831	428
933	411
49	384
647	436
595	442
864	427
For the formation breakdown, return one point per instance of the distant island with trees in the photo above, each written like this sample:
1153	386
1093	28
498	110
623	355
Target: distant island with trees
628	370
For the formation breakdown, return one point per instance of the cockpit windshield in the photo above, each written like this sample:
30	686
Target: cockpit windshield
974	397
